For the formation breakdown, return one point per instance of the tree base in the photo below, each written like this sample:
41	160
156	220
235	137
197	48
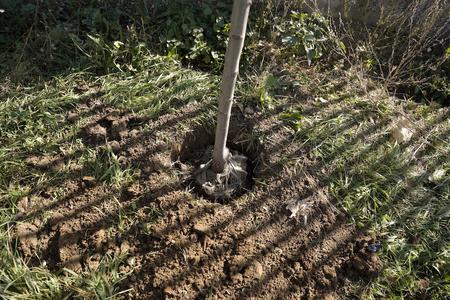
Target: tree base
225	184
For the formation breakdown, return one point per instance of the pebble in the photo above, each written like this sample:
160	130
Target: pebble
249	110
124	247
255	270
169	291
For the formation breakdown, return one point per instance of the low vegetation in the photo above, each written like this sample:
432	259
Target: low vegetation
334	92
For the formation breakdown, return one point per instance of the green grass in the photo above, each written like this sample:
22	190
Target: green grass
34	123
18	281
385	188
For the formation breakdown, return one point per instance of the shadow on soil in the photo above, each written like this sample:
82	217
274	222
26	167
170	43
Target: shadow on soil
183	246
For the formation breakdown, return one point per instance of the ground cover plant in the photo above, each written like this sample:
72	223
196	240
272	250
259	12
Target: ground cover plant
101	132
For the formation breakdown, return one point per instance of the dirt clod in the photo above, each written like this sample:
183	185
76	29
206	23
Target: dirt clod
237	278
169	291
133	190
115	146
201	229
22	204
97	133
236	264
69	254
118	128
254	271
72	116
124	247
88	181
99	238
93	262
26	233
330	272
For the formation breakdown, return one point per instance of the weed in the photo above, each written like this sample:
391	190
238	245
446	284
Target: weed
34	123
127	56
195	34
293	119
18	281
105	167
372	180
406	49
307	35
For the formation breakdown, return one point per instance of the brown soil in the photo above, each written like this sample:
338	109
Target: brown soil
246	248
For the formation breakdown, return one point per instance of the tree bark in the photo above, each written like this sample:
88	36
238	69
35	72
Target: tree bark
239	17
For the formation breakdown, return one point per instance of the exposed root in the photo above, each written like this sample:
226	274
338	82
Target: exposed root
225	184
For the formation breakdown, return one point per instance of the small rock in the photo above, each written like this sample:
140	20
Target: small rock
402	131
124	247
249	110
169	291
437	175
254	271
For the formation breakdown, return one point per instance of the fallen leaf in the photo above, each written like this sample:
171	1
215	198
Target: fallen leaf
299	207
437	175
402	131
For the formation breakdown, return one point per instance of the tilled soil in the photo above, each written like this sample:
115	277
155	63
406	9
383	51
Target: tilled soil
179	244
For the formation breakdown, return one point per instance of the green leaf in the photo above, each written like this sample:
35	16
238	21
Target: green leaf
342	46
118	44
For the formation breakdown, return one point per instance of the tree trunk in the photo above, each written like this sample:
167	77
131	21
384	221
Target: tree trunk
239	19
